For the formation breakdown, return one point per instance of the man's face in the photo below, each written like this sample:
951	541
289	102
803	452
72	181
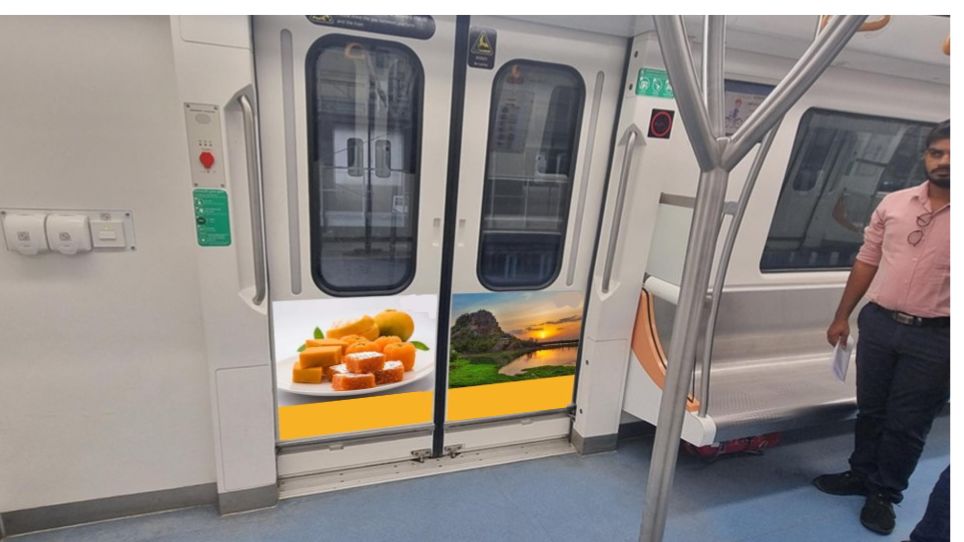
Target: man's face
937	163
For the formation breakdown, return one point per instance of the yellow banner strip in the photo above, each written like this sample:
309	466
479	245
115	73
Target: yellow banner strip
509	398
384	411
351	415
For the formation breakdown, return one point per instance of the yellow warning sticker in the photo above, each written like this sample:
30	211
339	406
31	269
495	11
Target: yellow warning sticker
482	44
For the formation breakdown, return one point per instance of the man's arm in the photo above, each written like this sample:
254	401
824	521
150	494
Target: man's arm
858	282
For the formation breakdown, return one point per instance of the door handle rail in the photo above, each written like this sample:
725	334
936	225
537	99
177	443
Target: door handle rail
631	138
585	179
254	199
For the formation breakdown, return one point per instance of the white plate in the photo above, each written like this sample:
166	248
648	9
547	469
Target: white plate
424	366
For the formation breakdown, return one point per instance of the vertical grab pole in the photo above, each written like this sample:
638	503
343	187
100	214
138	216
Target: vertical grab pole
716	156
724	264
669	426
700	248
714	50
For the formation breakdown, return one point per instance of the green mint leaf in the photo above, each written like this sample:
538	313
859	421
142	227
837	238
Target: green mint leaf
318	333
301	348
419	345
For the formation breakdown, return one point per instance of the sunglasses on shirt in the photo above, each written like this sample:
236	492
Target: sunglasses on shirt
916	236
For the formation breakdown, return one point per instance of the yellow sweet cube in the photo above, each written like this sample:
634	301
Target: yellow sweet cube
320	356
310	343
311	375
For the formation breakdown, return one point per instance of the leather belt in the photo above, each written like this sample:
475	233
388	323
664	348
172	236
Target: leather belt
916	321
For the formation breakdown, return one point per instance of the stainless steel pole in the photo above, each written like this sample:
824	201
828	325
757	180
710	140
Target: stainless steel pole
798	80
724	264
714	50
700	247
675	48
716	157
704	229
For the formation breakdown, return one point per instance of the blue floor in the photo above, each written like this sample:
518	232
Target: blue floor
567	498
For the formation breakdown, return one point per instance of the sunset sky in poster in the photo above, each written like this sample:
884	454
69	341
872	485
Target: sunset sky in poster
541	316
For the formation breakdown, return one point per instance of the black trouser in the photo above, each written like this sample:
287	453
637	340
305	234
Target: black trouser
935	526
903	380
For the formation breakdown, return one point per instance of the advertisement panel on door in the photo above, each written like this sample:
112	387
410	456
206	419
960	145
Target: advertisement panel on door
348	365
512	352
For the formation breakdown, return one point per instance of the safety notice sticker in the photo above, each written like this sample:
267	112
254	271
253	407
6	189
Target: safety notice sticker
654	83
481	47
211	217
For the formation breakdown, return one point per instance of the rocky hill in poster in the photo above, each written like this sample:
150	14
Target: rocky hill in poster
479	332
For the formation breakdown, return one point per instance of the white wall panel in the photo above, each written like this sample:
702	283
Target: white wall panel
104	382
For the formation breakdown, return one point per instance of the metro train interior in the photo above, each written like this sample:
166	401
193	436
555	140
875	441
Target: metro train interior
330	277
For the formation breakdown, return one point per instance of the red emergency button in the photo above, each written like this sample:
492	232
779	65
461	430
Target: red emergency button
207	159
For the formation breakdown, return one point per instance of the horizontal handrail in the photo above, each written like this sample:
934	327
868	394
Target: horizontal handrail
665	290
689	202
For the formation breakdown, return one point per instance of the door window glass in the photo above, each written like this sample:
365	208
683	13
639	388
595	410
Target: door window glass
365	105
533	132
842	165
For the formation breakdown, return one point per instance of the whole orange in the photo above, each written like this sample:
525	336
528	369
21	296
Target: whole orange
394	322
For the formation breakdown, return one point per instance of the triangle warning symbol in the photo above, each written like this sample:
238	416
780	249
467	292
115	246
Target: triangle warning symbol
482	45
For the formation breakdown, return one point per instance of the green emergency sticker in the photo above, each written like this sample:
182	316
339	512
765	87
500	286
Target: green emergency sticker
212	218
654	83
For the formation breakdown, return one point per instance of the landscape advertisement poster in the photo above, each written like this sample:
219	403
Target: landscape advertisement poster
501	337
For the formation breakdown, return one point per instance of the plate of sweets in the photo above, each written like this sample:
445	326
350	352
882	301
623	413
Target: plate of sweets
357	357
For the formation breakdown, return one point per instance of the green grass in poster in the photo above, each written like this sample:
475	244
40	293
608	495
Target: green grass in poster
482	369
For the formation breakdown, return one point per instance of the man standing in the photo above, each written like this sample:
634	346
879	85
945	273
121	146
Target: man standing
903	351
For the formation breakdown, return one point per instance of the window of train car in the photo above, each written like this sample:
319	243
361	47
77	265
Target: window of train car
365	107
533	137
841	166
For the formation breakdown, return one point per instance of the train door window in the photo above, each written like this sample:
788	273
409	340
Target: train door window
533	132
364	134
842	165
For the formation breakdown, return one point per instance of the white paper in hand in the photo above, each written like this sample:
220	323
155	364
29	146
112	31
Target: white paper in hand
841	359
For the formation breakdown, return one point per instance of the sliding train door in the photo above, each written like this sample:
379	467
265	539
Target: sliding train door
354	115
355	126
536	135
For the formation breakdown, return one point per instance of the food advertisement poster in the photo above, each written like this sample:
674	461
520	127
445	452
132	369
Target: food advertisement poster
354	364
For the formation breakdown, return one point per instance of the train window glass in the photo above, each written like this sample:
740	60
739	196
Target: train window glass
533	133
841	166
364	133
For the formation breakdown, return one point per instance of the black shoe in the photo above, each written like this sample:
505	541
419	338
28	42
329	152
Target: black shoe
878	514
845	483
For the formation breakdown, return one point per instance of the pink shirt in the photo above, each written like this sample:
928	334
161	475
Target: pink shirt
911	279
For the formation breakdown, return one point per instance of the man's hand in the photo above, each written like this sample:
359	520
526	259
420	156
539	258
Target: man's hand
838	331
858	282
